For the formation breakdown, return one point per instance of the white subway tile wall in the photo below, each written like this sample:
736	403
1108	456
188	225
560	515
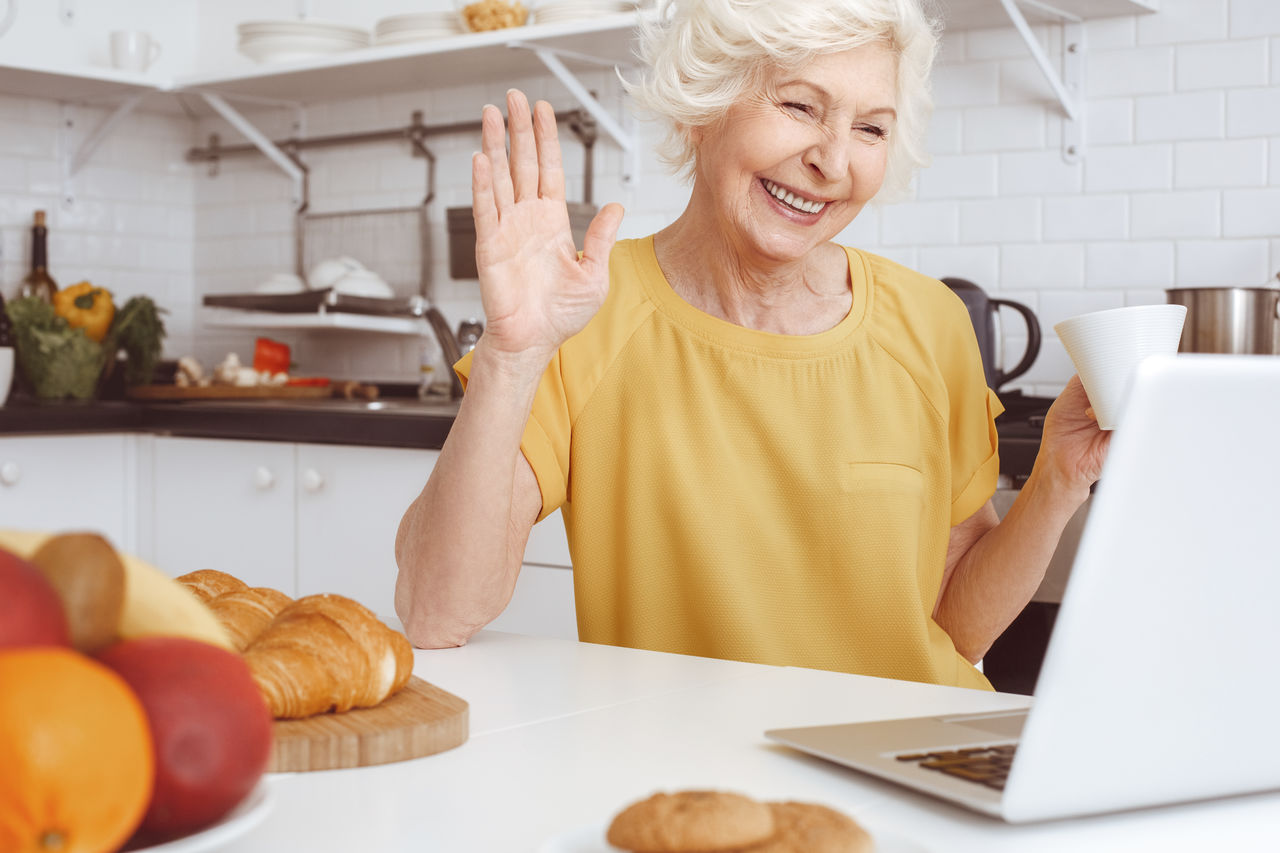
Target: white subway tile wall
1178	183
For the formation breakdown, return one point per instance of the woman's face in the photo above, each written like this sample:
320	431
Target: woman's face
788	167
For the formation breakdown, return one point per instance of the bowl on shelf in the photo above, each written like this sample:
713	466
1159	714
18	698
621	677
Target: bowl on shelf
366	283
418	26
327	272
287	41
281	282
479	16
558	11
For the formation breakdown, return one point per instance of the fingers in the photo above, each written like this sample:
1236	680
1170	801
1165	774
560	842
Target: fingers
601	234
494	145
550	168
484	209
524	149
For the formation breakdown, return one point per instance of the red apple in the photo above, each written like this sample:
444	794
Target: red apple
31	612
210	727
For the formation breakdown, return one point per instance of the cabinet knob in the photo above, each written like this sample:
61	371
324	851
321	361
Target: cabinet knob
263	479
10	473
312	480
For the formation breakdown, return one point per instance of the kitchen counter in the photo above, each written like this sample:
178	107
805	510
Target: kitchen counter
565	734
391	422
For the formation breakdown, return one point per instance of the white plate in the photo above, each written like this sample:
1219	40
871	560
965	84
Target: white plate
590	839
238	821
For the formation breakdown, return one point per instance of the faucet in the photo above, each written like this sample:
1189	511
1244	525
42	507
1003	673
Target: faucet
448	343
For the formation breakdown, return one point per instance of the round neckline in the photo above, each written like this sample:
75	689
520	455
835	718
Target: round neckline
731	334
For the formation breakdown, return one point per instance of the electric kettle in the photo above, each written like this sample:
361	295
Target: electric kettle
983	311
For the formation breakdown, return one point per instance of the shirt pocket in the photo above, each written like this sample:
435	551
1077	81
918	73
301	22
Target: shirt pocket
885	479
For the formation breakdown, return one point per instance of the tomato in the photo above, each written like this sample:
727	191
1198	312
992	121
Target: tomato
270	356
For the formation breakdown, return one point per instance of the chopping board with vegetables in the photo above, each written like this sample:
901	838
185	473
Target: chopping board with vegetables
421	719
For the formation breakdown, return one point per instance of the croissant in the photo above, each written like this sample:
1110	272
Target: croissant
208	584
327	653
245	613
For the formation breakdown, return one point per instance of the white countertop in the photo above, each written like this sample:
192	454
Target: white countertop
564	734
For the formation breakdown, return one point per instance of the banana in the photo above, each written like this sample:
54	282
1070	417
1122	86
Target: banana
154	603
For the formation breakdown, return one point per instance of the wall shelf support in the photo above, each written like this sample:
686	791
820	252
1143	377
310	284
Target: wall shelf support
1067	84
261	142
623	133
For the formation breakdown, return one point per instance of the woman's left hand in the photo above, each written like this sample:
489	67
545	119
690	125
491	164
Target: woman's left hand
1072	445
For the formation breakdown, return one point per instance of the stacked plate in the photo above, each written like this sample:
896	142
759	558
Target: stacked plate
417	27
287	41
555	11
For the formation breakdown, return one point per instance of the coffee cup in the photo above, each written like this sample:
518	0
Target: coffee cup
133	50
1107	346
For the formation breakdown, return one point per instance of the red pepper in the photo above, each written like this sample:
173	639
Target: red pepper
270	356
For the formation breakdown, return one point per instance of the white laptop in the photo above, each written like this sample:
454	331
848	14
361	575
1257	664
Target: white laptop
1160	683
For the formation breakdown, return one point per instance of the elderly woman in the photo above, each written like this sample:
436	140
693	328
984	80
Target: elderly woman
766	446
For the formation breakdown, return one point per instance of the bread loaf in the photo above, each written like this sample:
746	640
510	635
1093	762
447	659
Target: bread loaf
327	653
208	584
246	613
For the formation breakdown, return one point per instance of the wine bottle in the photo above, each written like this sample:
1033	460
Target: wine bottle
38	282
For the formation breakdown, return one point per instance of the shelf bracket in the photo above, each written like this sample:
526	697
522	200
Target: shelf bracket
623	133
86	149
1067	85
261	142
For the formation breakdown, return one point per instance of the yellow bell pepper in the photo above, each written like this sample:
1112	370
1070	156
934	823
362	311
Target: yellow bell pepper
86	307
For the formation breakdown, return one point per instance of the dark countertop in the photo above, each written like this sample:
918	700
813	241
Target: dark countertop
393	422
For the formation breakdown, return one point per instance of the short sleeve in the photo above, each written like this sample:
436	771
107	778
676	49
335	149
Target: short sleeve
545	443
975	445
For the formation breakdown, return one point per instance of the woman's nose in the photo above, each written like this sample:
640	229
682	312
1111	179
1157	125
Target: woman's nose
829	156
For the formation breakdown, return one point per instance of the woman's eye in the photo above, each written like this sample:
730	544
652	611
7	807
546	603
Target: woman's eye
798	107
873	130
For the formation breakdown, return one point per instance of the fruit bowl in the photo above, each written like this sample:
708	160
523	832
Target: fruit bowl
237	822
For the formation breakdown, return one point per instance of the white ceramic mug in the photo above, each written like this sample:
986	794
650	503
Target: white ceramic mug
1107	346
133	50
6	372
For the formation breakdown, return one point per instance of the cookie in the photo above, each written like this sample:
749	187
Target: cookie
811	828
691	822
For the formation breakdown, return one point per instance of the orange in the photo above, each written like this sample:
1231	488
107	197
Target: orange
76	762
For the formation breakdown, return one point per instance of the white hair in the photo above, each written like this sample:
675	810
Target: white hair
701	56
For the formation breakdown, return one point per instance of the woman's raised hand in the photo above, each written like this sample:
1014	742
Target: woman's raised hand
537	292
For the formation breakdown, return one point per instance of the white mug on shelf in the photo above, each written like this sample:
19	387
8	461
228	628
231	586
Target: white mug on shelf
133	50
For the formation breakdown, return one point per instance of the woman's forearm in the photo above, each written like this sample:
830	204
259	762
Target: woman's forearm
457	547
1000	573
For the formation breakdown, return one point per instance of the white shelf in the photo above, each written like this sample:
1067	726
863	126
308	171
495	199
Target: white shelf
228	317
456	61
87	83
461	60
985	14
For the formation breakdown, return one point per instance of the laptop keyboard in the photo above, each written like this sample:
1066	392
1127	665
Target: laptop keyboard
985	765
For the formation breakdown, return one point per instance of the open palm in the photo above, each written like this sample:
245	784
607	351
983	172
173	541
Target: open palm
536	289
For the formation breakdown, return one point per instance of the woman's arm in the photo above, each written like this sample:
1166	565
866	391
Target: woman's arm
460	543
995	566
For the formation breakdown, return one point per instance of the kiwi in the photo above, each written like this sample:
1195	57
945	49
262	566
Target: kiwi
90	579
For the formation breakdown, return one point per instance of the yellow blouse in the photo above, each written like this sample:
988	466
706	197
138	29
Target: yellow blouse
773	498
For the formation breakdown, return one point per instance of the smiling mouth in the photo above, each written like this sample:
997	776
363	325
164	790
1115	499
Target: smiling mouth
791	200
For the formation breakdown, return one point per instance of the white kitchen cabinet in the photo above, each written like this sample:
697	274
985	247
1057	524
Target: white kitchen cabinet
70	482
226	505
542	604
349	504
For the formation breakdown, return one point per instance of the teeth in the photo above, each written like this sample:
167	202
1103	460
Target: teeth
793	200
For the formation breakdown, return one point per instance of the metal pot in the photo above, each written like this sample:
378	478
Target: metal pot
1242	320
983	313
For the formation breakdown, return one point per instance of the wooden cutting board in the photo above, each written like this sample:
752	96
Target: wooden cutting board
225	392
420	720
